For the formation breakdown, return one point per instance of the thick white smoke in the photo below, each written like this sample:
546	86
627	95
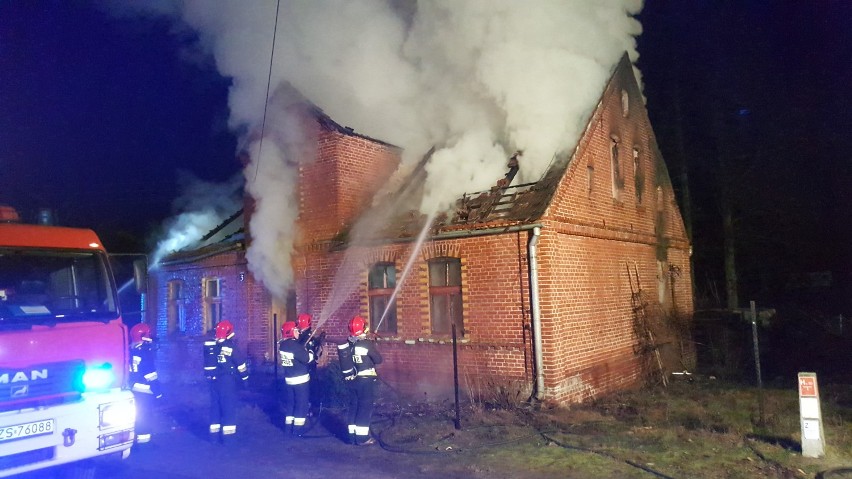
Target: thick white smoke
202	206
477	79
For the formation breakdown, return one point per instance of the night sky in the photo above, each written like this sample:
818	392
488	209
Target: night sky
99	114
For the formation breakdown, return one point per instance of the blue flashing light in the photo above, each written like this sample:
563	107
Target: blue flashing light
99	377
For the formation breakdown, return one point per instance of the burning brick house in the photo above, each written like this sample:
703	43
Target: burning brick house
567	288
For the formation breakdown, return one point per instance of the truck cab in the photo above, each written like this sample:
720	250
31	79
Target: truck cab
64	395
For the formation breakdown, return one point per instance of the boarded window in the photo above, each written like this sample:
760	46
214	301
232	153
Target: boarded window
638	175
617	178
212	308
590	178
381	284
445	300
662	282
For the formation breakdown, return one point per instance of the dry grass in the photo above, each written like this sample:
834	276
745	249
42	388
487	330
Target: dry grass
703	429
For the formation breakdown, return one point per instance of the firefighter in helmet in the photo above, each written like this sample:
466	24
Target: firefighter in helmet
313	343
143	377
365	357
296	360
225	369
347	370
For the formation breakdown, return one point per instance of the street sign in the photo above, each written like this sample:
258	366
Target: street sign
813	439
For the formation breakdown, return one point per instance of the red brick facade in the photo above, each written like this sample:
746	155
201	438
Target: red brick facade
602	237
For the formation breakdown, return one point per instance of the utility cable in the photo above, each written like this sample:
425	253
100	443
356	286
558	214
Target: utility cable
268	83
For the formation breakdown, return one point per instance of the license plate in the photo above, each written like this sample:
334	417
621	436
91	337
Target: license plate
35	428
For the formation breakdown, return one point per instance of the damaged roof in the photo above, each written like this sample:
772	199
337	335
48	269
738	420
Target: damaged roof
503	205
226	236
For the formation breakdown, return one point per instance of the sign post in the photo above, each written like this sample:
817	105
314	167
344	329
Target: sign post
813	439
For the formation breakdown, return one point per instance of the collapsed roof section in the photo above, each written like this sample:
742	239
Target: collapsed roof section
226	236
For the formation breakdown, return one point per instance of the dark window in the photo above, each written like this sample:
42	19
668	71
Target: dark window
617	178
176	311
445	299
380	290
638	175
211	288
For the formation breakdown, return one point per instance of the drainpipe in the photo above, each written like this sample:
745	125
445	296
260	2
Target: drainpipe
536	315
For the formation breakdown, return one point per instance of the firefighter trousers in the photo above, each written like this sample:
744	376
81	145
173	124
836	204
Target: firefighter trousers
365	396
296	405
144	416
223	403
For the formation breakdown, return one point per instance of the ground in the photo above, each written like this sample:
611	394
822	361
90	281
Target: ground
698	428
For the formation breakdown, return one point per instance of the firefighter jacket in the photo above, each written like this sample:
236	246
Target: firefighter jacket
295	359
143	372
365	357
344	355
222	359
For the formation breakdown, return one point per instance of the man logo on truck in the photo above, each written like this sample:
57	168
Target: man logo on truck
20	391
19	376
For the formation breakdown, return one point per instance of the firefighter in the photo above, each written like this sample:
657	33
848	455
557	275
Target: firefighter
365	357
347	370
296	361
312	343
225	369
303	322
143	376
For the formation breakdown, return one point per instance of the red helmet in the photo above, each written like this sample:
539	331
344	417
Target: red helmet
357	326
304	321
224	329
287	330
139	331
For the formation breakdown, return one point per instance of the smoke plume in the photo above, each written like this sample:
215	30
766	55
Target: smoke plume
202	206
476	79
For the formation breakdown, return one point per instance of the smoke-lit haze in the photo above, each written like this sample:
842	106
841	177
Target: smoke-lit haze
477	79
201	207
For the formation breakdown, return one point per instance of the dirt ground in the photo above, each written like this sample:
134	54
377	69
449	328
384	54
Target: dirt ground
689	430
695	429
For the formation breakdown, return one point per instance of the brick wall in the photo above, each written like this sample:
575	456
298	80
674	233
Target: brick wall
589	239
339	183
244	302
496	311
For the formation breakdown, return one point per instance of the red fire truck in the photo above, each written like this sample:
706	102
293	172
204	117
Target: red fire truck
63	349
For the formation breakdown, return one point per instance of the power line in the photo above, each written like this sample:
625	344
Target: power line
268	83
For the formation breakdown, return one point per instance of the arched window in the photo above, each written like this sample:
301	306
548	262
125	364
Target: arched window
381	284
445	299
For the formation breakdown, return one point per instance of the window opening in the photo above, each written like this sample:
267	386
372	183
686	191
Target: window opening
638	175
212	303
590	177
381	284
445	298
617	179
176	311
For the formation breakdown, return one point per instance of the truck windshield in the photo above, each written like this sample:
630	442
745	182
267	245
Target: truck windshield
38	285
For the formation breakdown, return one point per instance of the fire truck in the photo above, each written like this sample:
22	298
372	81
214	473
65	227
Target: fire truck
64	393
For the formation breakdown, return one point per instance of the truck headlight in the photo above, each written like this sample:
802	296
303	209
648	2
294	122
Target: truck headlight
98	378
119	413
